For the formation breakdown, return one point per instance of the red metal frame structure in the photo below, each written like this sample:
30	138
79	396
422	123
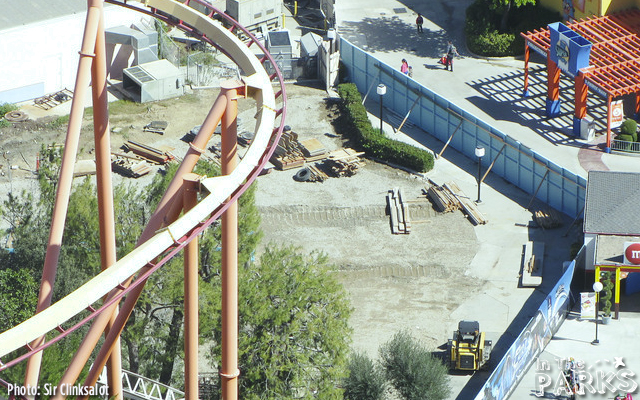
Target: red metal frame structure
614	64
157	241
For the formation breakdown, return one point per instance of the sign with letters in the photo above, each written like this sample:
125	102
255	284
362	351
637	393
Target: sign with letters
632	253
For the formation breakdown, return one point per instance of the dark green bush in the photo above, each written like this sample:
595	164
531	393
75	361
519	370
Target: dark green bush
7	107
483	28
365	381
372	142
412	370
629	127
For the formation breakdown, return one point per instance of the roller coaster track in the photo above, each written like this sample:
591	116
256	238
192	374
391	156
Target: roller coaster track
223	191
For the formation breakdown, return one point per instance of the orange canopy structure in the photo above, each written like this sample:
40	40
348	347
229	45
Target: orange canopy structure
614	63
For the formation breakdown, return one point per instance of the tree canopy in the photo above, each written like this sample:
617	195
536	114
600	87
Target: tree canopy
293	314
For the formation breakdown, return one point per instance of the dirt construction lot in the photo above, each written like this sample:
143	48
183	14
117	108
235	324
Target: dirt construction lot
416	282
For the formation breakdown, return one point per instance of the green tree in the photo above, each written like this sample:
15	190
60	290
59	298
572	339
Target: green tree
365	381
293	333
505	7
412	370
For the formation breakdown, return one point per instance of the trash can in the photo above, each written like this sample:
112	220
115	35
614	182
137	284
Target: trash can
587	129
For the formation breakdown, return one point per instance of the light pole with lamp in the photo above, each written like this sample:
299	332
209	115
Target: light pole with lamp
597	287
479	153
382	90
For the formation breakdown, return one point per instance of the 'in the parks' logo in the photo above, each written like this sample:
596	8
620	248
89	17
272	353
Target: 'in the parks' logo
569	377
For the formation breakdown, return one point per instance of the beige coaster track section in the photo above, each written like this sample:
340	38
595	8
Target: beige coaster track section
176	235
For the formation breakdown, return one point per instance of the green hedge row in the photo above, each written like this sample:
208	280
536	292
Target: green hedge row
375	144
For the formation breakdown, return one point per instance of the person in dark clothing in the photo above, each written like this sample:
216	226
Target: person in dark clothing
451	51
419	22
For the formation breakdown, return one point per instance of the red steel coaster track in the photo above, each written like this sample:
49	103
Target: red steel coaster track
175	224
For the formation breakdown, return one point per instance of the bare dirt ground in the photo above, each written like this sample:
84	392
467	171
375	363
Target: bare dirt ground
412	282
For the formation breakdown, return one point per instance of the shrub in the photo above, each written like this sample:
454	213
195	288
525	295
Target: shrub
7	107
629	127
483	23
373	142
365	381
412	370
606	293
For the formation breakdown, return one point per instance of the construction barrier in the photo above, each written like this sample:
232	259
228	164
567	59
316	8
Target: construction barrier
518	164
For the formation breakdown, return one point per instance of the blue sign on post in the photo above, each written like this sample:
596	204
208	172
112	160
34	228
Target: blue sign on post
568	50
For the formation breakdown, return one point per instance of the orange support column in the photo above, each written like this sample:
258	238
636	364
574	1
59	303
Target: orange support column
191	298
607	149
581	92
637	108
65	179
527	54
553	89
229	371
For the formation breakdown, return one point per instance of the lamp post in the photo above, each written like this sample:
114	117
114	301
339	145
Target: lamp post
382	90
479	154
597	287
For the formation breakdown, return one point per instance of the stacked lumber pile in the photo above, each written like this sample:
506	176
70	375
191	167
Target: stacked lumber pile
547	219
129	166
313	150
344	162
444	200
288	154
449	197
399	212
149	153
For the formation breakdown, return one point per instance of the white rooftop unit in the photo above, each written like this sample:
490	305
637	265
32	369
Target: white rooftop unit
254	14
152	81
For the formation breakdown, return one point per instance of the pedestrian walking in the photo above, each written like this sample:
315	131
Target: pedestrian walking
404	68
451	52
419	22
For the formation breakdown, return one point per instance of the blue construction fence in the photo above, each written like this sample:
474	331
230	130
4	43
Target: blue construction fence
517	163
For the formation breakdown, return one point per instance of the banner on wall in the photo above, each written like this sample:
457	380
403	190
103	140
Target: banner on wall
531	341
617	113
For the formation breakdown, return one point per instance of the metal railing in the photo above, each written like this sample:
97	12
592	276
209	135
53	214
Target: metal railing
137	387
623	145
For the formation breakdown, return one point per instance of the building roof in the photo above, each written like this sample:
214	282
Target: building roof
612	203
18	13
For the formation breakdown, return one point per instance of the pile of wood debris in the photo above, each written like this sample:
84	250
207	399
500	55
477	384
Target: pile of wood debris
449	197
339	163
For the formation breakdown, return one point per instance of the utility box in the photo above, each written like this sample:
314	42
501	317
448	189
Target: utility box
156	80
280	47
256	14
587	129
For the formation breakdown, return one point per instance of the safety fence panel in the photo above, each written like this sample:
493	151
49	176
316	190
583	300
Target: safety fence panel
518	164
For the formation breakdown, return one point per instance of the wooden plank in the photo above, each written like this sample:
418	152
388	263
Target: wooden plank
405	211
468	206
392	213
398	208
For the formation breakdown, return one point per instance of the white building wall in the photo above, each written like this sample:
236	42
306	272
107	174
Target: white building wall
590	241
43	57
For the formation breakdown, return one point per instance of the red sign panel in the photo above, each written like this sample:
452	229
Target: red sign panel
632	253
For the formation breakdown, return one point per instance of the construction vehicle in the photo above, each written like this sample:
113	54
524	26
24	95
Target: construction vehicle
468	350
